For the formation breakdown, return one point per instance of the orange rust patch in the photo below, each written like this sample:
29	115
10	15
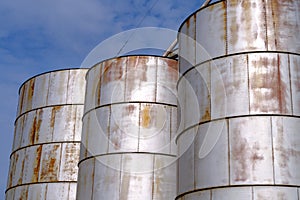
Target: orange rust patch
36	167
53	113
33	130
145	115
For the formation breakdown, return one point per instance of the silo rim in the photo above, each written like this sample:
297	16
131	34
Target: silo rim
198	10
48	72
126	56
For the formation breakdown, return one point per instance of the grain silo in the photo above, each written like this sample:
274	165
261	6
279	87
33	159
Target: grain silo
241	60
45	154
129	126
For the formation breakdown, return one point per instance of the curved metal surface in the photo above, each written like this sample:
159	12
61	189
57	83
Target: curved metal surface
129	127
47	137
243	78
233	26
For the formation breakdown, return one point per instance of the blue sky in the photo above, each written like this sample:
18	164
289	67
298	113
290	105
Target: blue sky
39	36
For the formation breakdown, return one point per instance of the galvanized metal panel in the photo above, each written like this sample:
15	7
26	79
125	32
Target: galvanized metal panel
211	155
96	131
85	179
211	32
240	193
32	164
295	82
174	127
203	195
93	87
276	193
58	191
124	128
112	81
186	175
155	131
18	133
269	95
76	86
250	150
187	45
283	25
19	161
58	85
199	79
167	77
286	144
84	139
164	186
181	104
63	120
41	85
246	21
107	177
44	126
191	109
136	179
21	192
72	191
27	95
78	123
68	164
229	87
37	191
29	129
50	159
141	79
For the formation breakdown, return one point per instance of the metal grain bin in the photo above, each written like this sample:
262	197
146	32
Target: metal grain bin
45	151
129	126
239	65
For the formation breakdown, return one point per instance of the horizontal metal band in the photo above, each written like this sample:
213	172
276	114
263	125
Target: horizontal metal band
45	143
122	153
35	183
232	117
231	55
35	109
129	102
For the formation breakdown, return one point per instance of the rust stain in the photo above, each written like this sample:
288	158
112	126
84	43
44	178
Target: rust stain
20	180
38	125
145	116
285	153
206	116
113	70
130	109
49	169
33	130
70	160
267	75
36	164
55	109
30	93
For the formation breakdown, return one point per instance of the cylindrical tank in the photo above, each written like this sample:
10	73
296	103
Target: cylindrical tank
240	102
45	153
129	126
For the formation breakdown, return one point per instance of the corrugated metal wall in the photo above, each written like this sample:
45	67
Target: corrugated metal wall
45	152
240	64
129	126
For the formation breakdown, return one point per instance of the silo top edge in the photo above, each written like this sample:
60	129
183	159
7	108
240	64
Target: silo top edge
48	72
128	56
188	17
